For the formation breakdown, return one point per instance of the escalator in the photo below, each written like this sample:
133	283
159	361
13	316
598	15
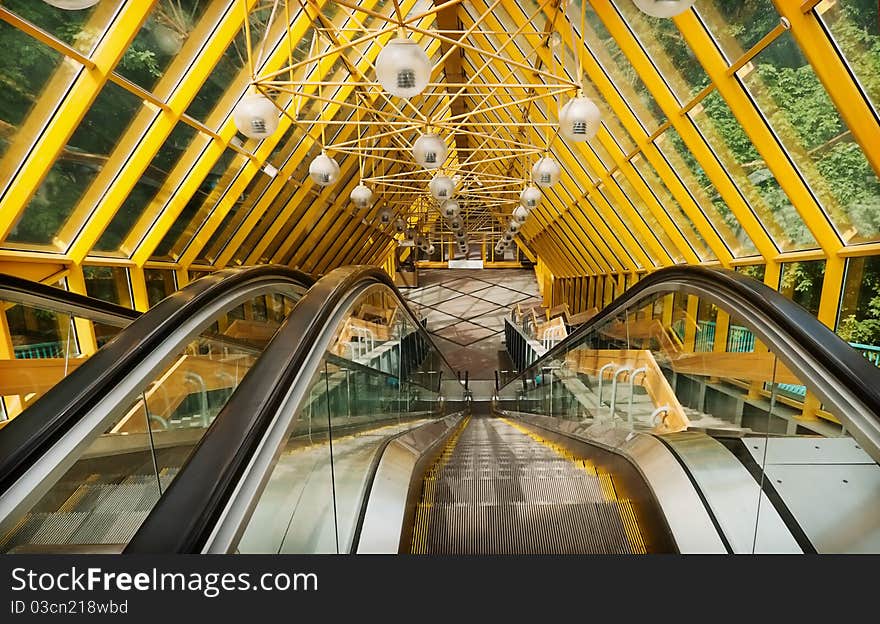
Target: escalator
340	428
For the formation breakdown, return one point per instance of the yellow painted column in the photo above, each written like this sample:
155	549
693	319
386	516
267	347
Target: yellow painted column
85	331
139	289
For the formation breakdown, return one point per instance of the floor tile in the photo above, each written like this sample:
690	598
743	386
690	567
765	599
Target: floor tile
466	285
438	320
493	320
500	295
465	306
464	333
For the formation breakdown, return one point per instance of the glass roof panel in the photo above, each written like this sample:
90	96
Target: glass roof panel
29	70
647	216
737	25
809	126
612	59
77	166
672	208
702	189
209	191
159	40
667	49
149	189
855	28
81	30
755	180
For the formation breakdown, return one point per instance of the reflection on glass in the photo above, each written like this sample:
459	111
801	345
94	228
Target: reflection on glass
644	213
378	378
149	189
855	28
160	284
33	74
798	108
166	29
737	25
77	165
802	283
199	205
110	487
667	49
859	317
750	172
108	284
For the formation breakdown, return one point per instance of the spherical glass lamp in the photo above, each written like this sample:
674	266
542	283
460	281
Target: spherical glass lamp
450	209
455	224
403	68
384	216
441	187
431	250
520	214
579	119
508	236
400	226
255	116
430	151
530	197
664	8
361	196
514	226
546	172
323	170
72	5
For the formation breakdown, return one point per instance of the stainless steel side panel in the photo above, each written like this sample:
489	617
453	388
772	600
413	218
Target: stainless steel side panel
386	508
689	522
749	520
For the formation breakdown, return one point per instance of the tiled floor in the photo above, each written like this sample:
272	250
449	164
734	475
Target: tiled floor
466	309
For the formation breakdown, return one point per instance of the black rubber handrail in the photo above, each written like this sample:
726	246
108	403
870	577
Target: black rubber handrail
188	510
34	294
848	367
28	436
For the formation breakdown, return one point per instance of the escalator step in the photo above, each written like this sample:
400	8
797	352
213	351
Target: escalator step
500	488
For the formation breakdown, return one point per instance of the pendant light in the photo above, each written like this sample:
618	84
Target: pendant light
403	68
520	214
255	116
579	119
664	8
384	216
429	150
508	236
400	226
72	5
323	170
545	172
361	196
450	209
513	226
530	197
441	187
455	224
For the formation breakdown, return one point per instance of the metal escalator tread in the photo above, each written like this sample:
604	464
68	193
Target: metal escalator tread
497	488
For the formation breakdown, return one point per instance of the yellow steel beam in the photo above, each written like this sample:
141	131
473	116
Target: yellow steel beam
832	71
142	140
73	108
756	128
692	139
